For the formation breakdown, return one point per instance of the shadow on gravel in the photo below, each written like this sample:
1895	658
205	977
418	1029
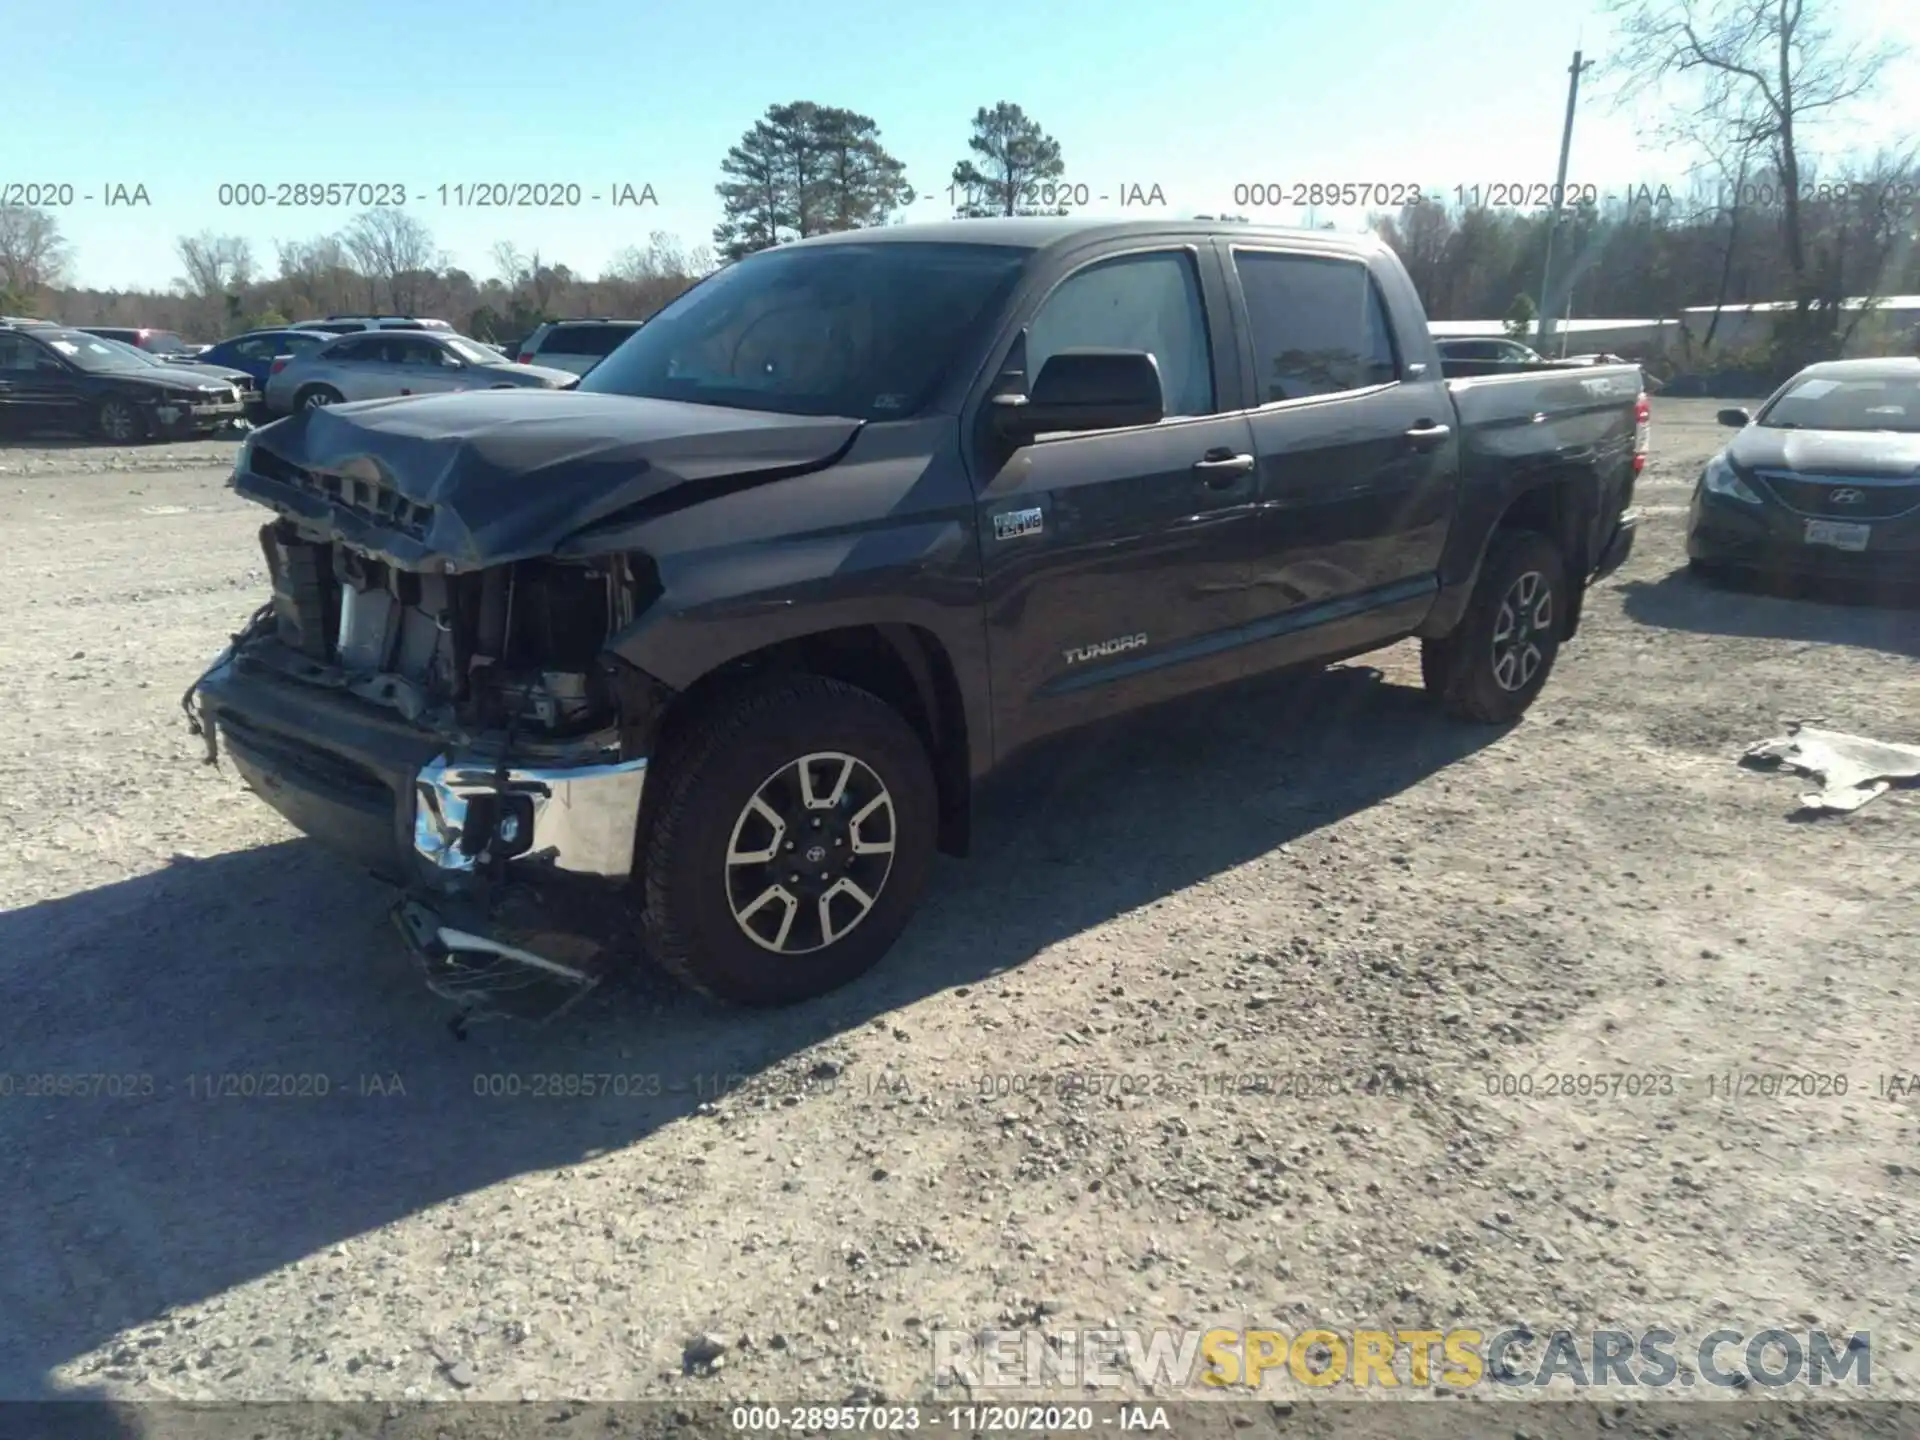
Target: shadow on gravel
1819	612
279	961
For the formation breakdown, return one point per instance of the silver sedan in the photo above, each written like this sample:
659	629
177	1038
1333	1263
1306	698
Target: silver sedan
385	364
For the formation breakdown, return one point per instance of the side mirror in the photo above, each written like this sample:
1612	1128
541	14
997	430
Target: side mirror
1734	419
1084	390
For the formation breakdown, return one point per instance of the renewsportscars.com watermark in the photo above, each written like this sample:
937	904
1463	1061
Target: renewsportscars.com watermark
1241	1361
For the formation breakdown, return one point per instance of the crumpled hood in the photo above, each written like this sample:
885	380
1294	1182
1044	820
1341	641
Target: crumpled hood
1831	452
468	480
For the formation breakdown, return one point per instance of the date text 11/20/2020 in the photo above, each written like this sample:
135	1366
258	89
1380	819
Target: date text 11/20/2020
1735	1085
461	195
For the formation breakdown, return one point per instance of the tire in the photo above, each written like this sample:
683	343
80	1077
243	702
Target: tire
1496	661
315	397
703	898
119	422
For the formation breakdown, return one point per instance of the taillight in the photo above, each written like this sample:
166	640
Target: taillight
279	365
526	357
1642	431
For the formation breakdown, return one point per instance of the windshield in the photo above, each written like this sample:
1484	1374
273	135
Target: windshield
472	351
132	352
91	352
862	330
1872	403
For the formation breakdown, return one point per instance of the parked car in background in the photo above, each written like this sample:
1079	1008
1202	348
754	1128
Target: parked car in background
55	378
1483	355
576	345
1509	351
240	380
347	324
255	351
390	363
1824	481
156	342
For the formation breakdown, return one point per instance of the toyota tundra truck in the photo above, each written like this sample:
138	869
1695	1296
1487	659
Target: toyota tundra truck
704	661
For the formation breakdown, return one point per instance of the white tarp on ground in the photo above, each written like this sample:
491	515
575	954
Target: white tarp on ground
1851	768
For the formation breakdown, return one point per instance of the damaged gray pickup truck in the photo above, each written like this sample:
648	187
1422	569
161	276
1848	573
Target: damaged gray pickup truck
703	661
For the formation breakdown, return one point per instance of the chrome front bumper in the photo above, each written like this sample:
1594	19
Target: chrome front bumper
577	819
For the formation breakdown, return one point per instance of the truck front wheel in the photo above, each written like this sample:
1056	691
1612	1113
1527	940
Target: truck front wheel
791	844
1498	657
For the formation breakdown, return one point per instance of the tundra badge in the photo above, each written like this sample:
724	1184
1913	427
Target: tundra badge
1104	648
1012	524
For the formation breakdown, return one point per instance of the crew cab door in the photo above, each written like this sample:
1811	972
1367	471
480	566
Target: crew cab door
1112	558
1359	465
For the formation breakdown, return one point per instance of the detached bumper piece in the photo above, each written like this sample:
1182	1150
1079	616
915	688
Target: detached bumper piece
497	926
489	977
514	876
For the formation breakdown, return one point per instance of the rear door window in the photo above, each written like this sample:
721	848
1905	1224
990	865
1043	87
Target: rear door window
595	340
357	351
1319	325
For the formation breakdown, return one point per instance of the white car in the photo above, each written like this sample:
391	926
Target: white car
386	364
576	345
347	324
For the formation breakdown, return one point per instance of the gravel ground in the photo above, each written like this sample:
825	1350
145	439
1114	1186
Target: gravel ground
1315	879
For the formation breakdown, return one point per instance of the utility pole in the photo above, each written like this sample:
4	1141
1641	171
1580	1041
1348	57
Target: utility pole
1546	306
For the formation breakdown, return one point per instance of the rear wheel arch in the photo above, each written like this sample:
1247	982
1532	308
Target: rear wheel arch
1559	505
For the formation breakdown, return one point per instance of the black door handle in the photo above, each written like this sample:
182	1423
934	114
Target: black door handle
1220	468
1426	435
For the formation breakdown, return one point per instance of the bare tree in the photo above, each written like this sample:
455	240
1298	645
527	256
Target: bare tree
391	251
1421	234
662	257
214	264
641	279
1756	74
33	254
1873	235
527	277
315	275
1730	166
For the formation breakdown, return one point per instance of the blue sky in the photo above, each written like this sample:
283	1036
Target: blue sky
1193	98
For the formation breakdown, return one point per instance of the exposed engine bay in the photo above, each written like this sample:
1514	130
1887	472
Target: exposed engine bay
516	648
542	733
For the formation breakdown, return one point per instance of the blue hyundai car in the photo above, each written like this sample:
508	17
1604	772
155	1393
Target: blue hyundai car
255	351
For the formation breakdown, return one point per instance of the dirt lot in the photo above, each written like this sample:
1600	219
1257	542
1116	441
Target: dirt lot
1314	879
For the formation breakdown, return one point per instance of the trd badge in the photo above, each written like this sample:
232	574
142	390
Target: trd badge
1012	524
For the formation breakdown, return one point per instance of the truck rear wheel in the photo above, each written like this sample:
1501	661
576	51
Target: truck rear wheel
791	844
1496	661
